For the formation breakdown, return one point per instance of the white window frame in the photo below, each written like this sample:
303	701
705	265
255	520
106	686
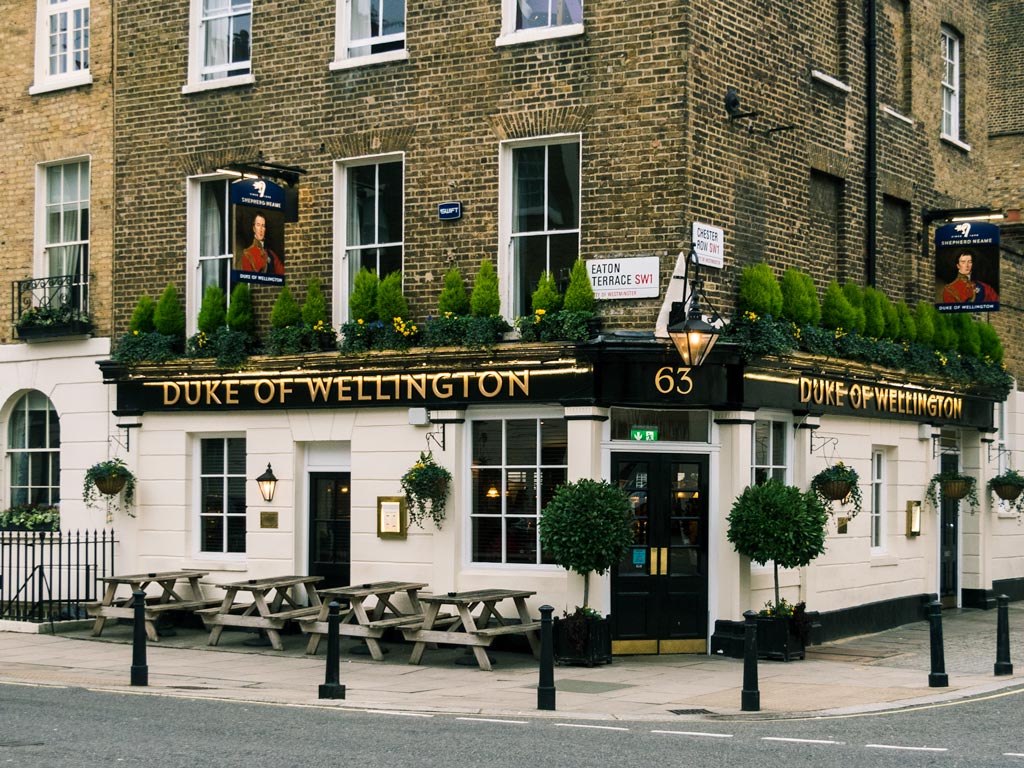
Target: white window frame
41	259
46	452
501	414
195	514
193	281
507	268
1002	507
343	58
950	128
341	281
46	11
785	469
877	513
512	36
196	49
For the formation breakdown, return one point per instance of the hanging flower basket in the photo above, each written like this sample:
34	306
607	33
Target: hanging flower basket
838	482
1007	491
110	486
1008	487
955	489
426	490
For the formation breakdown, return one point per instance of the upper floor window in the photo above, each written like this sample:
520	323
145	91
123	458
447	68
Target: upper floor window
541	212
219	44
369	213
951	91
526	20
62	45
517	464
210	253
63	218
368	32
771	451
33	450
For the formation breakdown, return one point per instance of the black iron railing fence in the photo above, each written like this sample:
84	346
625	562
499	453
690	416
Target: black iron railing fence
49	576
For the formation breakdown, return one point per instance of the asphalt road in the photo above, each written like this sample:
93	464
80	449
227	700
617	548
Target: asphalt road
71	727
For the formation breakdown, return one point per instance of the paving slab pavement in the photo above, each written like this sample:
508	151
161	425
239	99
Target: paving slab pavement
860	674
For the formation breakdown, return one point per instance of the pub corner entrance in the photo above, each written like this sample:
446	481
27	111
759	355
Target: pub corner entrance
659	593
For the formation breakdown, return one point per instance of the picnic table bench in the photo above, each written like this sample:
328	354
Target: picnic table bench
260	613
169	599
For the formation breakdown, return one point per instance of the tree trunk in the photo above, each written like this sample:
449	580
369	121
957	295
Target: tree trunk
776	566
586	589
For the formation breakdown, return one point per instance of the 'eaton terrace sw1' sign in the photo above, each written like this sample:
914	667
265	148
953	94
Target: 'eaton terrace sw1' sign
624	278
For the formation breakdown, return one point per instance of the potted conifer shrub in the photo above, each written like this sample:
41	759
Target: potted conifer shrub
586	527
785	526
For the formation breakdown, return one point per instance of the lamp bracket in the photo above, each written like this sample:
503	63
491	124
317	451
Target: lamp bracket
1001	450
938	450
126	430
432	437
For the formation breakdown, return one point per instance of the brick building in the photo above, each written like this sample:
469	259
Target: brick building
58	195
564	130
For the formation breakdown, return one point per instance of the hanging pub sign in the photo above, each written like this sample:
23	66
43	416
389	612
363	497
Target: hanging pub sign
258	216
967	267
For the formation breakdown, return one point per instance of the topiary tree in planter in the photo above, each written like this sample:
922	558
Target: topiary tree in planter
586	527
799	298
485	300
778	523
453	296
760	292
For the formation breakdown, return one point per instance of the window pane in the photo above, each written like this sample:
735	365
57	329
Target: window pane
528	183
212	495
554	441
236	456
487	540
236	533
762	442
16	433
521	492
564	186
521	446
521	540
778	443
213	457
389	224
487	443
212	534
487	493
19	468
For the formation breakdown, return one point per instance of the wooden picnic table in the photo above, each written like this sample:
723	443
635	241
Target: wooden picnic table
360	622
170	599
470	630
268	615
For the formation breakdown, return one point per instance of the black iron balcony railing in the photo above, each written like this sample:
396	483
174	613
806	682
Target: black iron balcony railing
47	307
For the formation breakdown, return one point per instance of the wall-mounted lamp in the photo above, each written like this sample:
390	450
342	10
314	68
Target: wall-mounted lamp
267	484
693	336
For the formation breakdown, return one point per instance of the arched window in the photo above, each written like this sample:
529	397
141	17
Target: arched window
33	450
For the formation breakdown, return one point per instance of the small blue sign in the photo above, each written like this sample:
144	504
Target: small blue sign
639	557
449	211
257	193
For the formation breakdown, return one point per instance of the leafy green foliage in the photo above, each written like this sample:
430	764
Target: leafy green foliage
799	298
137	347
142	317
453	298
924	318
213	311
908	324
362	303
760	291
836	310
426	485
779	524
874	320
314	308
169	317
485	299
391	301
759	336
240	313
104	470
991	346
286	310
546	296
579	295
30	517
968	337
892	318
855	295
587	526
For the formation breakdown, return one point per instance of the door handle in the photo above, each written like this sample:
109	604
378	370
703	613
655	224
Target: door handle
664	561
654	561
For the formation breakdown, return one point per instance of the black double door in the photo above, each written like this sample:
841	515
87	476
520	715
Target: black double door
949	540
660	590
330	528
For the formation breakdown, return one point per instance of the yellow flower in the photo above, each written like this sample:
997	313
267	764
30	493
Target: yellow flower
360	321
135	333
541	311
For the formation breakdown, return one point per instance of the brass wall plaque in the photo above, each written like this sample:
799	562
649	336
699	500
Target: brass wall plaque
268	519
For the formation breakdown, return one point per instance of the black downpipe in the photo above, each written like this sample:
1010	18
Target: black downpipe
871	142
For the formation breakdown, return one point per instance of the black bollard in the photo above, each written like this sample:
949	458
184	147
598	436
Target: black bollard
546	685
1003	665
937	678
332	689
750	699
140	670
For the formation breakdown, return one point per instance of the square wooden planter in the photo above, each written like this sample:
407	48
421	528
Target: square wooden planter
586	641
778	639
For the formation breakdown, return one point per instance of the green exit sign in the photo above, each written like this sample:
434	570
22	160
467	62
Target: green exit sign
643	434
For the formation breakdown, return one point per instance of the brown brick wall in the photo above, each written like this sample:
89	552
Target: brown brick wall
644	86
52	126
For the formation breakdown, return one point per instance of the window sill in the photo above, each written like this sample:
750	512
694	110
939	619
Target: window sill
369	61
50	85
543	33
955	142
821	77
883	560
899	116
214	85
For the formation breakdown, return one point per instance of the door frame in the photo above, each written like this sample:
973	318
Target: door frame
708	453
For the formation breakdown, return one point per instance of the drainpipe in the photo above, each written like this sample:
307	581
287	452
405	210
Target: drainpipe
871	142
